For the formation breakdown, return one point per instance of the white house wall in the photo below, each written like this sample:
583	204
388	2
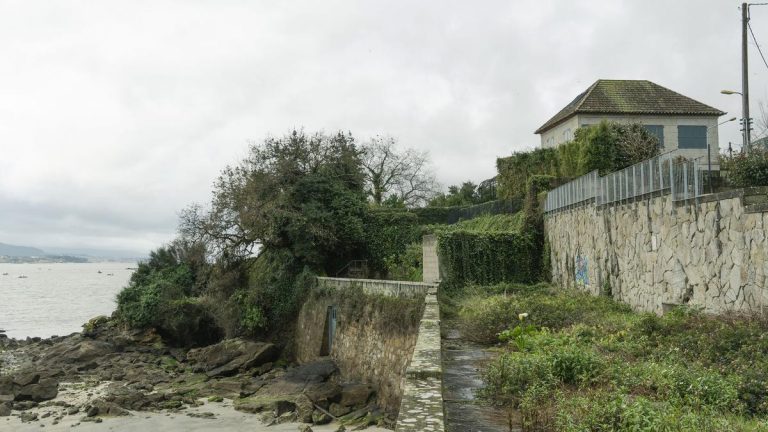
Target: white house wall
560	133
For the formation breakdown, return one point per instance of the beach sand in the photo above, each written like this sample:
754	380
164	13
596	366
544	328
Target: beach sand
225	419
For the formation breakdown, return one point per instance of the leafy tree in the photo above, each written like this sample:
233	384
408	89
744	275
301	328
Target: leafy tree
468	193
303	193
397	177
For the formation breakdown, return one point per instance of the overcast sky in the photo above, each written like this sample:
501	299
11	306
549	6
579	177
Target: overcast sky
116	115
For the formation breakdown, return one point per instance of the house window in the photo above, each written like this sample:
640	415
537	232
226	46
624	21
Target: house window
567	135
692	137
657	131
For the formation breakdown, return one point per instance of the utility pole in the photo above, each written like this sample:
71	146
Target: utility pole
745	76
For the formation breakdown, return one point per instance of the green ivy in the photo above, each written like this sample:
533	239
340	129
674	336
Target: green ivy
487	257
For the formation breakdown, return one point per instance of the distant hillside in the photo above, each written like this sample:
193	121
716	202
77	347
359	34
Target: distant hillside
19	251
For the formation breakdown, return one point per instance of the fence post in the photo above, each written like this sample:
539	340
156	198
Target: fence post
685	180
696	178
671	179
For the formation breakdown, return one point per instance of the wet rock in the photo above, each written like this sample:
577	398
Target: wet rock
305	428
5	410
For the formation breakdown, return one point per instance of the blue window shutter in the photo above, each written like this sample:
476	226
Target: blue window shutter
657	131
692	137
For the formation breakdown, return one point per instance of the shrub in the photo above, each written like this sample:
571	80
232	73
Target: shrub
745	170
388	234
407	265
509	376
515	170
575	364
160	295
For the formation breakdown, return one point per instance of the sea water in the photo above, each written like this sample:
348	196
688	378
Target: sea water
56	299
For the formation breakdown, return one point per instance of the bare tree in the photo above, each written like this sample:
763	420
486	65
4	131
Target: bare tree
394	175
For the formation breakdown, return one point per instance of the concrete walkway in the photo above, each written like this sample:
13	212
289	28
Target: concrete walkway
462	365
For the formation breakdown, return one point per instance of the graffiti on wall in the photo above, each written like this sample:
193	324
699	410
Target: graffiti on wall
582	270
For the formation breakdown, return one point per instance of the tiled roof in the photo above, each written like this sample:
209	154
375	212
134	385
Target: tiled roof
629	97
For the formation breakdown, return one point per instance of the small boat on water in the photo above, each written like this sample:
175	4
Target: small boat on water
22	276
110	274
5	274
99	272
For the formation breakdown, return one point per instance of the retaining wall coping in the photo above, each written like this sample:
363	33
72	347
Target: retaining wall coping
379	281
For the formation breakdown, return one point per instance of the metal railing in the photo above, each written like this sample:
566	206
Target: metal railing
667	173
572	193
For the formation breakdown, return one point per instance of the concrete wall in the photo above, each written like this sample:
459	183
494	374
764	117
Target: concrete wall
653	253
368	346
557	135
430	262
421	409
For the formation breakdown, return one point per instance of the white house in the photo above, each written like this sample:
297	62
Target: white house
679	122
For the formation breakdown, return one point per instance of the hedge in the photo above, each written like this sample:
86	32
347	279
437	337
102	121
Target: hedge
451	215
475	257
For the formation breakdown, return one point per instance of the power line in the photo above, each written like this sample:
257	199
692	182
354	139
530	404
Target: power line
757	44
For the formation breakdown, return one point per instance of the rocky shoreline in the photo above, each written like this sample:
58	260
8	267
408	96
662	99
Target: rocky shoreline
105	373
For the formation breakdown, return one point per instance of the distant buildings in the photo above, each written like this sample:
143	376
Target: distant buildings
678	121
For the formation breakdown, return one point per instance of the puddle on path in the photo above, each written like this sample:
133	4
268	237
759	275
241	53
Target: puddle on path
462	362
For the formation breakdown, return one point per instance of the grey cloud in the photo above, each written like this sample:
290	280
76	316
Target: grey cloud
115	115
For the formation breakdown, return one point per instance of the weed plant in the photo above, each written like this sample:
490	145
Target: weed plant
592	364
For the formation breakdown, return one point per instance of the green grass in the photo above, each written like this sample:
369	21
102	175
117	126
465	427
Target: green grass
493	223
591	364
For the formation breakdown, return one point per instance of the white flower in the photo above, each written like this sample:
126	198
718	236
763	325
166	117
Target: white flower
522	316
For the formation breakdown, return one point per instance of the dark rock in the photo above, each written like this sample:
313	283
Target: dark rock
338	410
24	379
6	385
5	410
101	407
355	395
28	416
304	409
76	351
323	393
315	372
230	356
305	428
45	389
24	405
320	417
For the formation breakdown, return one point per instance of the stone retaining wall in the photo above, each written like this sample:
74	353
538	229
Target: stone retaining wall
653	253
368	346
